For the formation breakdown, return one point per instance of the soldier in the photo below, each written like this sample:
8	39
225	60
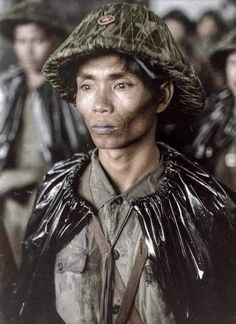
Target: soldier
132	232
213	142
37	128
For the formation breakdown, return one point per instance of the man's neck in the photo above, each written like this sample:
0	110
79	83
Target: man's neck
126	166
34	79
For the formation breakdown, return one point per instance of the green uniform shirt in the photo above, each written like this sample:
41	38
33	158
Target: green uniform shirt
78	267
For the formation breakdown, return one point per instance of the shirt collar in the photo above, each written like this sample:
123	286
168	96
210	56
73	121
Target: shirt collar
103	191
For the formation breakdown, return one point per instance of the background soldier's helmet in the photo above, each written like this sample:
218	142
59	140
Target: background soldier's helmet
26	12
222	49
134	30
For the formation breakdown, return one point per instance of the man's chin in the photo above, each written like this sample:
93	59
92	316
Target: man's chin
105	144
31	67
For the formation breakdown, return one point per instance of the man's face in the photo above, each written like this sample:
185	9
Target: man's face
229	11
230	71
32	46
177	30
207	29
114	102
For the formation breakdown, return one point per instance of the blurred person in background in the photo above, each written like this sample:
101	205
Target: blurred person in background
228	10
210	28
184	32
213	142
37	128
183	29
7	56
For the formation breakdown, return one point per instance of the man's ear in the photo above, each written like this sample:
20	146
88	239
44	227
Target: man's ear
166	92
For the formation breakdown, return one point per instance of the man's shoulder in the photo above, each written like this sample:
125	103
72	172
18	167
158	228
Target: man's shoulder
189	176
180	165
9	83
10	74
194	189
223	99
61	169
221	94
57	180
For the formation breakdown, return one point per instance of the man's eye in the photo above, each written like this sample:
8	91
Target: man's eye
20	41
39	40
86	87
122	86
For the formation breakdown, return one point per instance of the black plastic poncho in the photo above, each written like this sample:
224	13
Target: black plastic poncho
213	131
188	224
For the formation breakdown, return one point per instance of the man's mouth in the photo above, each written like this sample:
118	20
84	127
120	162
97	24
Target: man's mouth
103	128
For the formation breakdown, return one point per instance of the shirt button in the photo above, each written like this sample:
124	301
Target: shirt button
115	309
117	201
115	254
59	267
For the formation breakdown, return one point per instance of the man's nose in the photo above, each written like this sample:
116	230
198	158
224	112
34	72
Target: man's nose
103	101
29	48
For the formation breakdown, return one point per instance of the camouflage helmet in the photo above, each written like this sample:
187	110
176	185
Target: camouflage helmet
222	49
27	12
134	30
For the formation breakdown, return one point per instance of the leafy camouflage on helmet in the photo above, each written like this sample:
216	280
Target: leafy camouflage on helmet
222	49
135	31
25	12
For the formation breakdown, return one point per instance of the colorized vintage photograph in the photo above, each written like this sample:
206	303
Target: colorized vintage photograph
118	162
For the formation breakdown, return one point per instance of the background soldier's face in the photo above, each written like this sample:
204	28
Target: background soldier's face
32	46
230	72
115	103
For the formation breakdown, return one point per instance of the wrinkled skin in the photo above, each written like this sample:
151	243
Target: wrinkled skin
117	107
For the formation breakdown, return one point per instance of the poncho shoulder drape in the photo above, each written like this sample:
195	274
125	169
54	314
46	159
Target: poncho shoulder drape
188	224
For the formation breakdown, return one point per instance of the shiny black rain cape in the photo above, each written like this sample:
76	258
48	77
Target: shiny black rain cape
213	131
189	228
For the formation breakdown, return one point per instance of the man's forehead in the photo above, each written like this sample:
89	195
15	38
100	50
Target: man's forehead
28	27
113	63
